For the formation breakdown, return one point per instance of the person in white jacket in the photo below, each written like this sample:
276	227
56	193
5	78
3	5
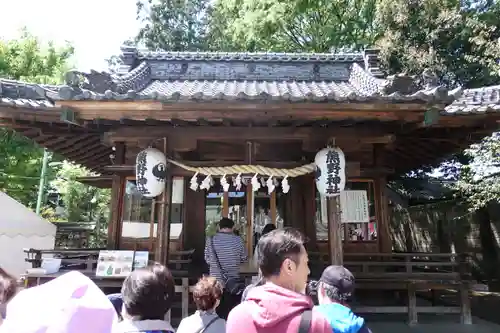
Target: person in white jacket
206	294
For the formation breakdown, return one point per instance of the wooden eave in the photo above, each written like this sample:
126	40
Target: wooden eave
97	181
197	131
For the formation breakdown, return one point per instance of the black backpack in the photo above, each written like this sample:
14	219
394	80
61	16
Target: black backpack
305	321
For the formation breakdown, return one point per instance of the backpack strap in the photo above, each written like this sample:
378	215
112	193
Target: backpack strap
305	321
204	328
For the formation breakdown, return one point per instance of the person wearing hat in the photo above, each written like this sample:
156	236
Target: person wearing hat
335	288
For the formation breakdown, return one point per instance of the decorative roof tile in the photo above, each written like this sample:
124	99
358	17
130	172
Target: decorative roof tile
25	95
479	100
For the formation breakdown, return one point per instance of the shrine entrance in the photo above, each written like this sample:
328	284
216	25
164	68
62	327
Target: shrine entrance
250	210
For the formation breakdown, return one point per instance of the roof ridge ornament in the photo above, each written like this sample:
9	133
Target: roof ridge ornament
97	82
430	79
372	62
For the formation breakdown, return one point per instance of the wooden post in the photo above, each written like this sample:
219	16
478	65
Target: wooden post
117	197
249	157
225	204
334	231
163	230
249	231
272	207
465	307
334	237
152	226
412	305
381	202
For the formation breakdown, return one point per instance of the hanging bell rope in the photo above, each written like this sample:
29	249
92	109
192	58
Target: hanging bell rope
247	169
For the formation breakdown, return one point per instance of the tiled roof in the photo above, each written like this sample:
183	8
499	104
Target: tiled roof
253	77
170	77
480	100
23	95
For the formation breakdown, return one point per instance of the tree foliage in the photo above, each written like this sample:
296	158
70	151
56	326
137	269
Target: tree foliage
460	44
293	25
479	180
27	59
173	25
82	203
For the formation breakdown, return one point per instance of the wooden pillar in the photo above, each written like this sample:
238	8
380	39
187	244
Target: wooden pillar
225	204
249	231
272	207
117	197
249	157
163	230
381	202
335	249
151	246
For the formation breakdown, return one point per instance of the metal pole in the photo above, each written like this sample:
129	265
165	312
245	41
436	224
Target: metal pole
42	180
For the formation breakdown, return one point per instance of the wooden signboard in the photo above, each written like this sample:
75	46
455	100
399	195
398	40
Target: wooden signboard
354	207
120	263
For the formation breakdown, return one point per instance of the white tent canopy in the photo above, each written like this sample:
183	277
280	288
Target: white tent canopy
21	228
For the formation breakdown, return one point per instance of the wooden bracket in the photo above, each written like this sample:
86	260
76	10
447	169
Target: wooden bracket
71	117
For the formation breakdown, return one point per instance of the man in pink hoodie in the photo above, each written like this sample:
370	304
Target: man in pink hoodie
280	304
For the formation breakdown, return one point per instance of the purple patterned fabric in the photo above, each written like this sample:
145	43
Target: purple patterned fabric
71	303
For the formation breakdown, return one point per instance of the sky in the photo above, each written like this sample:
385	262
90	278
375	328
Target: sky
96	28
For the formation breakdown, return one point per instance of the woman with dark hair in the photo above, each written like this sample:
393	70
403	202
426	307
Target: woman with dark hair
207	294
8	288
147	297
267	229
260	280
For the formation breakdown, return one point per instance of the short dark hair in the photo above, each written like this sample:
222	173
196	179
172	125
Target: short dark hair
268	228
8	286
148	292
206	293
226	223
334	293
276	246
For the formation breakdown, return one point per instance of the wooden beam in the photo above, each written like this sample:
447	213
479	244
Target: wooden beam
176	109
372	133
368	172
349	143
84	141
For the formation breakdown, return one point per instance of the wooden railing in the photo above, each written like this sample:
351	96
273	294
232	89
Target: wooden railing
412	272
85	260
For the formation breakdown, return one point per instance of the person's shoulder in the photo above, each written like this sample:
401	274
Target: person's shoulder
239	312
218	326
319	323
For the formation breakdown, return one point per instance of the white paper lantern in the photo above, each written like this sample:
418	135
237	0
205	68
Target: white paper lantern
150	172
330	171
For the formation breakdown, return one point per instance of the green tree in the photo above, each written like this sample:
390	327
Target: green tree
173	25
26	59
81	203
293	25
479	181
460	44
